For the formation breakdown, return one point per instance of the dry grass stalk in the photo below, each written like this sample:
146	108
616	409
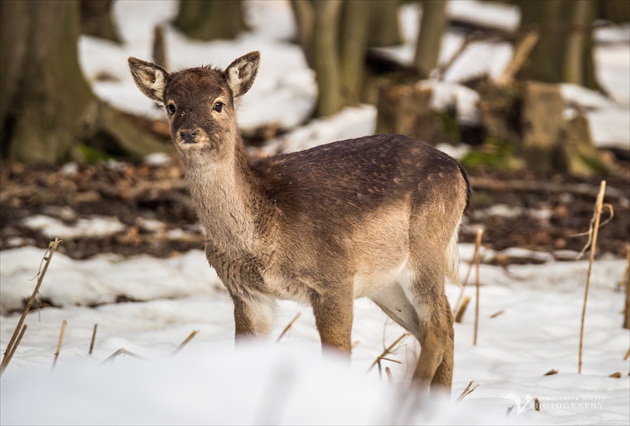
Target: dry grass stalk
288	327
590	234
52	247
627	355
616	375
467	391
479	235
598	211
476	258
9	355
93	339
551	372
61	333
390	349
390	360
122	351
536	404
185	342
497	313
390	377
626	316
462	309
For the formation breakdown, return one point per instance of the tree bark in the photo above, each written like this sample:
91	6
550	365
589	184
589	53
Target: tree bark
429	43
564	52
305	19
325	56
96	19
543	125
210	19
354	36
48	108
384	27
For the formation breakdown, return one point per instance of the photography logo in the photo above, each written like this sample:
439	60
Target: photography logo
519	403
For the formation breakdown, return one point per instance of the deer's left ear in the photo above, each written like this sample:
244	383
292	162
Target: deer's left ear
242	72
150	78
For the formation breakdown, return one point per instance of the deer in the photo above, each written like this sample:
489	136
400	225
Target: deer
376	216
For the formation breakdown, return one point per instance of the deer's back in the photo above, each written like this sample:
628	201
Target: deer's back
357	176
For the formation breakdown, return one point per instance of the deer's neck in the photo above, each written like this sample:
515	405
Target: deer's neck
228	200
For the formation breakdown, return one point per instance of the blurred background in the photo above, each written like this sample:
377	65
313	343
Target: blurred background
531	96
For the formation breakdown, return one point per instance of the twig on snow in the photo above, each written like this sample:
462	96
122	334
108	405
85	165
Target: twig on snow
595	228
61	333
19	329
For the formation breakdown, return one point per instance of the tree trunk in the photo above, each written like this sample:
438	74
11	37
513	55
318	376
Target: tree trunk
564	52
325	56
428	45
210	19
96	19
384	28
48	108
406	109
354	36
304	19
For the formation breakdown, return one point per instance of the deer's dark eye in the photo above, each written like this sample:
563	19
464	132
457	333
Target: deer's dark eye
171	109
218	107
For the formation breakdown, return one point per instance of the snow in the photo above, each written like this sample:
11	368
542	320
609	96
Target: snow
285	91
289	382
502	16
93	227
529	314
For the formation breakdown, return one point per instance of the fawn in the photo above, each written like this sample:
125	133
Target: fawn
376	216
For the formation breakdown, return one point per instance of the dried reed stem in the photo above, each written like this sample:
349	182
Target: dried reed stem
59	343
93	339
390	349
185	342
18	329
497	313
390	377
122	351
478	237
473	261
627	355
462	309
611	215
289	325
467	391
14	347
626	316
598	211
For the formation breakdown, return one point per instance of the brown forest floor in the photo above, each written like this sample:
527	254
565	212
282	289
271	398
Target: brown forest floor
549	211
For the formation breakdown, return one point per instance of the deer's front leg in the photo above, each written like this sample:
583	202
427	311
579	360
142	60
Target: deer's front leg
253	317
333	317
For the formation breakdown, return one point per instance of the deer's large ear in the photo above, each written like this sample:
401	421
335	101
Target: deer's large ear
150	78
242	72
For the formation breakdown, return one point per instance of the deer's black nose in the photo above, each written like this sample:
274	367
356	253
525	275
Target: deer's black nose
188	136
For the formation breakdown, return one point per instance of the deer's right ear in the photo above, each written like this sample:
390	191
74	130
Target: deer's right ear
150	78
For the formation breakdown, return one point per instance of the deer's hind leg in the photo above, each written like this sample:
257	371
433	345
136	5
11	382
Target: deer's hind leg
417	303
432	246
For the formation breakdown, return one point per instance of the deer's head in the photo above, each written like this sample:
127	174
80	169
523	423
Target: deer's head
199	102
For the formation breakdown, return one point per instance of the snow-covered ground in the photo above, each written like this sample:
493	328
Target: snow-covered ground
529	314
288	382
